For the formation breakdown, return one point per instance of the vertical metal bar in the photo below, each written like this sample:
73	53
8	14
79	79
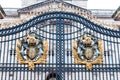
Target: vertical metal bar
118	47
97	66
1	77
74	23
103	56
38	64
0	56
41	73
59	45
7	56
35	71
67	53
102	37
113	56
43	34
85	77
3	64
52	46
71	60
117	56
78	32
17	72
24	75
82	65
49	52
110	59
18	75
63	48
53	28
106	60
13	47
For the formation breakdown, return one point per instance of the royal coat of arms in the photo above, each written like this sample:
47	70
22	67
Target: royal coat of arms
31	50
88	50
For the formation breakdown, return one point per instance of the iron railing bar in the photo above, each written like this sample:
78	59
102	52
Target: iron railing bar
11	54
1	49
17	73
110	59
52	46
3	56
101	74
23	65
15	64
73	69
70	53
114	59
118	47
6	59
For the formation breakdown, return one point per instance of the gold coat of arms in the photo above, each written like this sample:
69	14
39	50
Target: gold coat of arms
88	50
31	50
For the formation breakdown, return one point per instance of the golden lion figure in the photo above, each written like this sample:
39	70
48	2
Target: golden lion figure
34	47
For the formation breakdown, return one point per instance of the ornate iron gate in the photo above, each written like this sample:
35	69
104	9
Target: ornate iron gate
60	29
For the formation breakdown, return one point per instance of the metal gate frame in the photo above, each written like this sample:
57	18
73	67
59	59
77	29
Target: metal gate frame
11	70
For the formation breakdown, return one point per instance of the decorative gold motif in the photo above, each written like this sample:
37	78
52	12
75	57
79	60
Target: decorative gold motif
31	50
88	50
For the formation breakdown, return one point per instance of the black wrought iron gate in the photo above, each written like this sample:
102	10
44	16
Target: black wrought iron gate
60	29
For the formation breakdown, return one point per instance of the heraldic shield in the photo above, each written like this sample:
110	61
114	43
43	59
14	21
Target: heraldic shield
31	50
88	50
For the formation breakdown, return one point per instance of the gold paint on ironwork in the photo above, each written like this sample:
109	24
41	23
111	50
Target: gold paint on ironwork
30	61
88	63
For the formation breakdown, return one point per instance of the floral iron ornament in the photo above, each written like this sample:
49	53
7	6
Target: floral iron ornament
88	50
31	50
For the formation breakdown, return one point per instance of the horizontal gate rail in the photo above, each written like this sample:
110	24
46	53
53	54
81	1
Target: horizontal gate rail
64	69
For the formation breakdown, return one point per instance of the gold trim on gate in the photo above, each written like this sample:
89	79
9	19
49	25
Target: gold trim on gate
31	61
88	63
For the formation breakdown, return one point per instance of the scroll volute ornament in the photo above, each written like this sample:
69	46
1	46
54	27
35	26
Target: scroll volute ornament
31	50
88	50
